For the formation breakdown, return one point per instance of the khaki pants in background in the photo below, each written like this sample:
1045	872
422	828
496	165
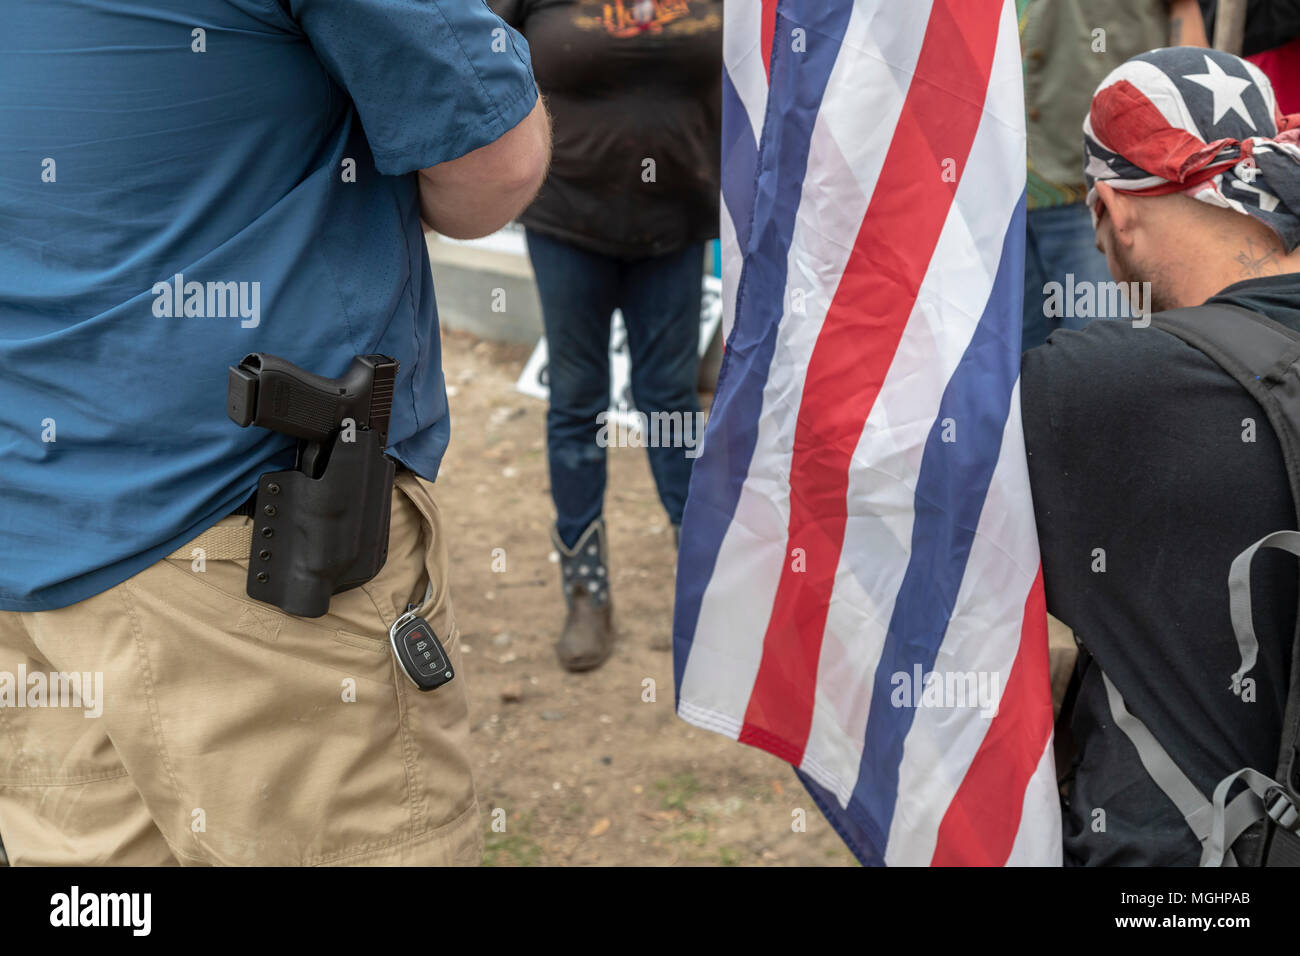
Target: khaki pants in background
1062	653
228	735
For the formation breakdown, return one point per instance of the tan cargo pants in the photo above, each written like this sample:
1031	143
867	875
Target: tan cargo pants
232	733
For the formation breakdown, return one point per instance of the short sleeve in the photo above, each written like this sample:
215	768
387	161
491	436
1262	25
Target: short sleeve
432	80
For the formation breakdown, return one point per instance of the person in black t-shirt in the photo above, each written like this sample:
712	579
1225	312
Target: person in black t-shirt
634	91
1150	467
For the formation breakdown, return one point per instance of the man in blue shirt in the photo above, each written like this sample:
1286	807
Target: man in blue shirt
182	184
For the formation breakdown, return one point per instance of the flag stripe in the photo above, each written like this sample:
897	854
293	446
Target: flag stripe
957	467
876	309
1038	841
980	826
733	422
887	461
847	825
744	60
769	30
847	159
744	100
982	641
874	299
741	162
981	645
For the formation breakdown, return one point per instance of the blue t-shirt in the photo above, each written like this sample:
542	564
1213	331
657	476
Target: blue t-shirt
183	183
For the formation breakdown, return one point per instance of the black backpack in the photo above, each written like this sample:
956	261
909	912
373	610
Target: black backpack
1252	818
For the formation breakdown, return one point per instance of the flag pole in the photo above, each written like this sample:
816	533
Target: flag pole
1230	26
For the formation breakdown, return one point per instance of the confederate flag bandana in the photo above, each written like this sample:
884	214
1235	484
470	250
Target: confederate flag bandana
1198	122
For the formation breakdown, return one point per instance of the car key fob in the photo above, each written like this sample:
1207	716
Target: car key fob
418	650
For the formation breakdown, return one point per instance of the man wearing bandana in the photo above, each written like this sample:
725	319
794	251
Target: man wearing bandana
1151	467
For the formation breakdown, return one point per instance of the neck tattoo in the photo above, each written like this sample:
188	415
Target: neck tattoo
1259	259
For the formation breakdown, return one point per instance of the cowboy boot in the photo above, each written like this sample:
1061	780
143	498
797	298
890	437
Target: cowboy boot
588	635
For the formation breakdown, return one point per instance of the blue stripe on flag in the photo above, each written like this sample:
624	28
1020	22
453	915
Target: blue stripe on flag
797	84
844	823
740	154
950	494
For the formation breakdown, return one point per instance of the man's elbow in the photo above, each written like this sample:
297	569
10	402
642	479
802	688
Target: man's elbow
481	192
526	175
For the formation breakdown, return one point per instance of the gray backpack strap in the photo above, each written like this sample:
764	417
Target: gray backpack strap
1243	621
1215	825
1263	797
1263	356
1160	767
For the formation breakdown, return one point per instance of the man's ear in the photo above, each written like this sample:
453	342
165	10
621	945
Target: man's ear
1118	208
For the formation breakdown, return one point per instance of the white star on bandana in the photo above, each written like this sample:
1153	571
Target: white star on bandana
1098	168
1226	89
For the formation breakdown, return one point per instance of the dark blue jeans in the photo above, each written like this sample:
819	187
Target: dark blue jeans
1060	241
660	300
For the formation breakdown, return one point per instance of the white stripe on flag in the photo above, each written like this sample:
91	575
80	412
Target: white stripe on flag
742	52
1038	841
729	247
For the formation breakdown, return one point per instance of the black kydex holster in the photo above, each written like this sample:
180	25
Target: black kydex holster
322	527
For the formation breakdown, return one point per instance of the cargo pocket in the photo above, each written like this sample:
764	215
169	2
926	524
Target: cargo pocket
436	723
416	543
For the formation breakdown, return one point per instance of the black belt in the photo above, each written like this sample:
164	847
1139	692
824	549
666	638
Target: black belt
247	509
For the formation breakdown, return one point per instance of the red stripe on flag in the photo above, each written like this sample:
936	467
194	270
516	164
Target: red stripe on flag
863	325
983	819
767	29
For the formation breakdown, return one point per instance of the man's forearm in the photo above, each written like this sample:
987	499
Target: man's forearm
483	190
1186	25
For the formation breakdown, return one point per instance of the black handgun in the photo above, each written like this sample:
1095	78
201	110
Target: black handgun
321	528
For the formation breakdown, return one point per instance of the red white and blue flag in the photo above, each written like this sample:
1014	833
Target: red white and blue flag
858	587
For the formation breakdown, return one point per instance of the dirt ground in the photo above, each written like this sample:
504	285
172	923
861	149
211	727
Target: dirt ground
579	767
